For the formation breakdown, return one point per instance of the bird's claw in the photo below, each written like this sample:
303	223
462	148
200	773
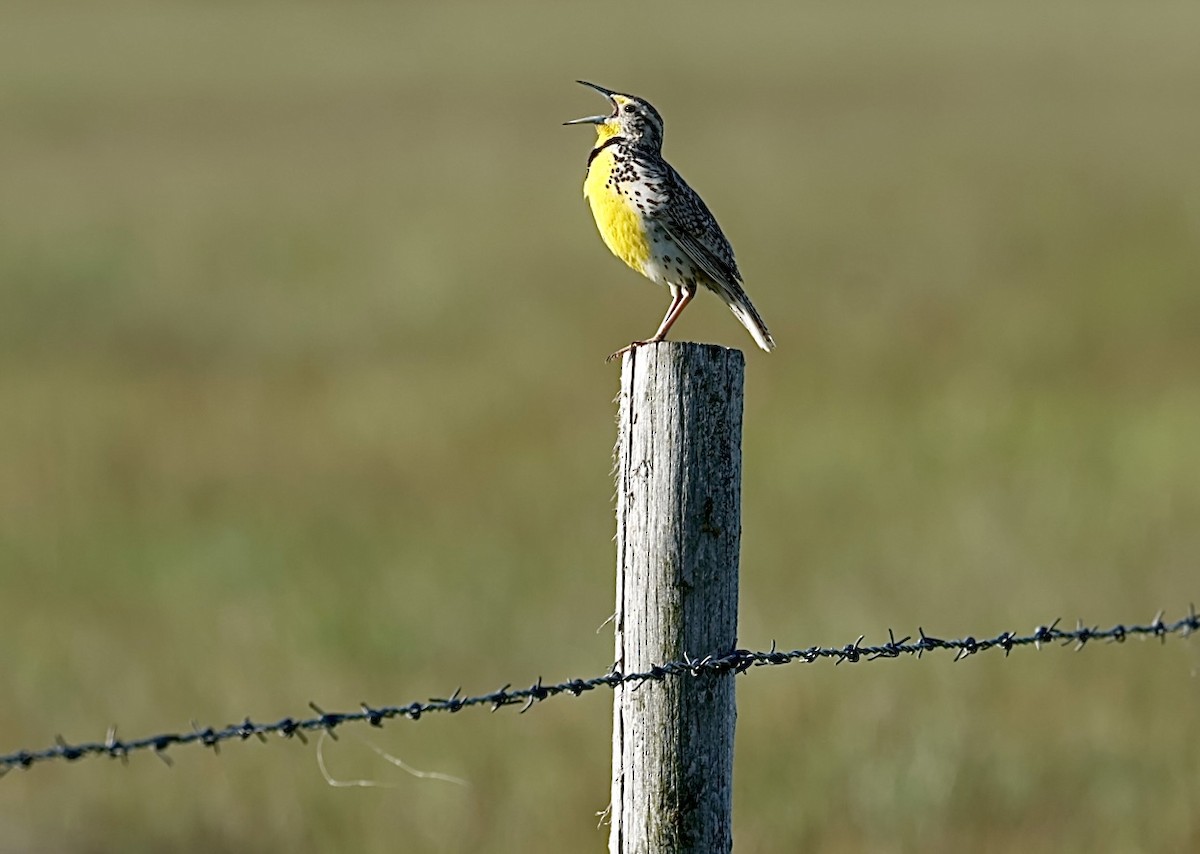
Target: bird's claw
632	345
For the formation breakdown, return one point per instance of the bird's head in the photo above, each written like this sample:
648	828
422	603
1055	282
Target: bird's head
631	118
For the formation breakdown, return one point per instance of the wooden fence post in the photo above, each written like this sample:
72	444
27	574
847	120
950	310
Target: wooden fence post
679	485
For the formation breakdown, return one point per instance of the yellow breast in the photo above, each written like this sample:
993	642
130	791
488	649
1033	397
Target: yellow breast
616	216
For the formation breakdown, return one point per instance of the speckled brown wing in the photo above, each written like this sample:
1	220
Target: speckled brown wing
694	229
692	225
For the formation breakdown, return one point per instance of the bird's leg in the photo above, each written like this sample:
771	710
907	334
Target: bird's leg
680	297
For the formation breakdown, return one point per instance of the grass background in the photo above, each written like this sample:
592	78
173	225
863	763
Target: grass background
302	396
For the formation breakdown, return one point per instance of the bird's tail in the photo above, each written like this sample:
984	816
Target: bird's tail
745	311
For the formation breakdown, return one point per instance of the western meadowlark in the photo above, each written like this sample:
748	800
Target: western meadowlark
653	221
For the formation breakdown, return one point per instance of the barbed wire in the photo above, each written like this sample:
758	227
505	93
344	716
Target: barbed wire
735	661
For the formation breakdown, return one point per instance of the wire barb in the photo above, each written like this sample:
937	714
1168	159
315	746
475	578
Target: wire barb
730	663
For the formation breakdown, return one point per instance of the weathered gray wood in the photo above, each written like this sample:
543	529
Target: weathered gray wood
679	484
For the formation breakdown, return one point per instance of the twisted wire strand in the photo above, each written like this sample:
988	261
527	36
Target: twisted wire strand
736	661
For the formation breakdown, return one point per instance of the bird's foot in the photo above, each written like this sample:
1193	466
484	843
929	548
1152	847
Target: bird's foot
633	345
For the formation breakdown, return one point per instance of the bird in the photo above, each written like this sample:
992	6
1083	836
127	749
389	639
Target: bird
652	220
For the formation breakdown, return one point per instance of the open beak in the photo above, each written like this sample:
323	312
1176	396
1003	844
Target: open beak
595	120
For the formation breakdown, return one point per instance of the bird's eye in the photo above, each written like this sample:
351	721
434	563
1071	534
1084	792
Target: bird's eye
629	108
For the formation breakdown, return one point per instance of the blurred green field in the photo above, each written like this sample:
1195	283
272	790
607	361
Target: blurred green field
302	397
